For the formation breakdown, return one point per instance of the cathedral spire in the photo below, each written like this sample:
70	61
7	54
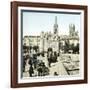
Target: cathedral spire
55	26
55	19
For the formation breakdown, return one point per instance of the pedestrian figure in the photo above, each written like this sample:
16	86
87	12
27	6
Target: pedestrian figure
31	71
55	57
35	60
40	68
49	56
45	70
55	74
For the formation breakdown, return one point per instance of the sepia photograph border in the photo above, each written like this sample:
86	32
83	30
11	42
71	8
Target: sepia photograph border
14	43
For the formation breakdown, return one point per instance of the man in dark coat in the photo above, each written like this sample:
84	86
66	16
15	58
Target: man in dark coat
31	71
49	56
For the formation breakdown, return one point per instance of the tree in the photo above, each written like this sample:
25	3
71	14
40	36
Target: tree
75	48
66	46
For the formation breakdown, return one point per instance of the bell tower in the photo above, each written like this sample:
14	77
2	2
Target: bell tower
55	26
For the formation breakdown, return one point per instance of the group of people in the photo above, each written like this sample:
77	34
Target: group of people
33	62
34	65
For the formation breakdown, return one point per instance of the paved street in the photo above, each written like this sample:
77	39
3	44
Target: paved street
59	68
55	67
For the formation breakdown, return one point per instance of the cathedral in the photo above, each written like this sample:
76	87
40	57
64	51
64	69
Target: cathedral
50	40
53	40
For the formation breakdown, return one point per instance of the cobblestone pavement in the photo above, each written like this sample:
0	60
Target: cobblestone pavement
59	68
55	67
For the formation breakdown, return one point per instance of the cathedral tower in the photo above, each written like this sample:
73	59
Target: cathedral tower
55	26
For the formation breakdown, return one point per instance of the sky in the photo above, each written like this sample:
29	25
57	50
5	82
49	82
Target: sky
36	22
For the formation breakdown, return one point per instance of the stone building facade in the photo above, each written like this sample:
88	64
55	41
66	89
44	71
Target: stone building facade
52	40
